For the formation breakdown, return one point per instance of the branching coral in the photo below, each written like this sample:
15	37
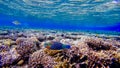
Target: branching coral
98	44
83	56
40	59
4	48
117	56
7	42
85	52
8	57
25	46
51	52
64	64
99	59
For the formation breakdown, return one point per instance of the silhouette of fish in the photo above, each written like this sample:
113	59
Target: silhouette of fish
16	22
56	45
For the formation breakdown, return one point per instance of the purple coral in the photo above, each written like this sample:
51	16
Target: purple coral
8	57
98	44
0	61
40	59
25	46
4	48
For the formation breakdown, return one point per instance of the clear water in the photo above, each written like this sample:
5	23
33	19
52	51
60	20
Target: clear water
73	15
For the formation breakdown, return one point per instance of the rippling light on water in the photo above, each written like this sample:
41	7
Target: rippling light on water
77	13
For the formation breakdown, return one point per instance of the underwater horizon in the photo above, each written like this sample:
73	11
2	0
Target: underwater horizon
69	15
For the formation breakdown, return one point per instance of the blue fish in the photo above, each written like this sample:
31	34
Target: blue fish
56	46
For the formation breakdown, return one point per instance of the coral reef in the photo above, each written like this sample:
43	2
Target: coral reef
41	60
8	42
25	46
8	57
64	64
51	52
4	48
25	49
117	56
98	44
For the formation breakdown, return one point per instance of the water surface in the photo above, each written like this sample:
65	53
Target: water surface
73	15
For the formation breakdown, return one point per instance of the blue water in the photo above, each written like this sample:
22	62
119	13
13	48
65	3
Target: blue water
72	15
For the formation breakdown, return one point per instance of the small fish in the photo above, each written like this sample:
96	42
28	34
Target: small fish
56	45
16	22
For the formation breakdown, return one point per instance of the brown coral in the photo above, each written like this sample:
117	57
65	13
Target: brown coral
51	52
64	64
117	56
